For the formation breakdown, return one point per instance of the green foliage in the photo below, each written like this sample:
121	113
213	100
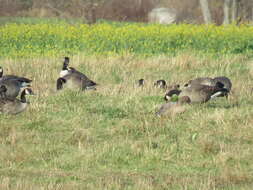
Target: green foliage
53	39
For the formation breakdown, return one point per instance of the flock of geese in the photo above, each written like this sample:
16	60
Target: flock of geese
198	90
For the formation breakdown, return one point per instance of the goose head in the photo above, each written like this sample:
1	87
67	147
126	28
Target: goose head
65	68
140	82
160	83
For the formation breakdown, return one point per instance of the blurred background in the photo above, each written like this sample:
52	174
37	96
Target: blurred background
161	11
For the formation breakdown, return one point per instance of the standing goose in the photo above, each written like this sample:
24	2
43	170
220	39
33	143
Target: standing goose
73	79
16	106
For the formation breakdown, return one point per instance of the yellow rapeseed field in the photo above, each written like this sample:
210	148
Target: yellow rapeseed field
47	39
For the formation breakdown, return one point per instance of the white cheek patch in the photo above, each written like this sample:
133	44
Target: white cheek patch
216	94
64	73
25	84
167	97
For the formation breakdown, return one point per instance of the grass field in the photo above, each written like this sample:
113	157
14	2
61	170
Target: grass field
111	139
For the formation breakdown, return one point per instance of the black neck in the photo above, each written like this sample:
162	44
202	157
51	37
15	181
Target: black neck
59	84
65	66
65	63
22	98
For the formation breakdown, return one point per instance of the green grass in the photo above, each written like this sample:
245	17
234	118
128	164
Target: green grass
111	139
48	38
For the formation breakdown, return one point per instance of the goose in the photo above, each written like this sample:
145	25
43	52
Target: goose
199	93
173	108
73	79
212	81
13	88
25	81
141	82
170	93
226	82
172	89
160	84
16	106
14	84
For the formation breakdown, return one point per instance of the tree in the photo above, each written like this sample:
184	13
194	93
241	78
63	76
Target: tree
205	11
226	19
230	11
234	10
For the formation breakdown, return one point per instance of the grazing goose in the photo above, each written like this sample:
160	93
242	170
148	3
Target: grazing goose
172	89
16	106
199	93
202	93
226	82
74	79
173	108
170	93
160	84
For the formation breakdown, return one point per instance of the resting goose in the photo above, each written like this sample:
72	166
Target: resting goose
16	106
13	83
173	108
73	79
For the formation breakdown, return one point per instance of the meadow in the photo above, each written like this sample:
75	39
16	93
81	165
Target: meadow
110	138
